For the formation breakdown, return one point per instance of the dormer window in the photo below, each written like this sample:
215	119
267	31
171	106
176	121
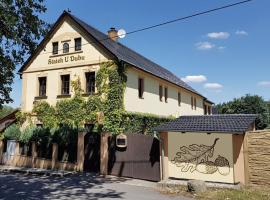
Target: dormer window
65	47
55	47
78	44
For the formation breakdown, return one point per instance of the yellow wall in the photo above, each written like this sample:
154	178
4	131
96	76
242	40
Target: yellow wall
93	56
239	163
39	66
194	144
53	84
151	103
67	31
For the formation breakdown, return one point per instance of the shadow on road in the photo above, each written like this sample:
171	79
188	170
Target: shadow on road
79	186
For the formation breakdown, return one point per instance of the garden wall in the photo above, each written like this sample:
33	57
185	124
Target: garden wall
258	159
36	162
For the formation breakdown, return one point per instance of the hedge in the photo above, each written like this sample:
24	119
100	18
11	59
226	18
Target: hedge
142	123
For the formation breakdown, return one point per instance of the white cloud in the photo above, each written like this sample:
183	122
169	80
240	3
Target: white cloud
218	35
241	32
194	79
221	47
213	86
264	83
204	45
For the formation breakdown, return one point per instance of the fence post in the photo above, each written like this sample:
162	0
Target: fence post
246	159
164	155
1	150
34	154
16	154
80	151
54	155
104	154
17	149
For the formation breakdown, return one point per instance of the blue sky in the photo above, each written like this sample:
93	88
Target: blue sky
226	53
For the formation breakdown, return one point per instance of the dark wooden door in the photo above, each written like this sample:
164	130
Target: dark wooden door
140	159
92	152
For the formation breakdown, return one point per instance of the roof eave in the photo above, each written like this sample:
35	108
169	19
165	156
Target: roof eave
195	131
59	20
204	98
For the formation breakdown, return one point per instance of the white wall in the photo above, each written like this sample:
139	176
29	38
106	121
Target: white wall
151	103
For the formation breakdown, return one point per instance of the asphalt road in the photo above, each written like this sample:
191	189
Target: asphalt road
83	186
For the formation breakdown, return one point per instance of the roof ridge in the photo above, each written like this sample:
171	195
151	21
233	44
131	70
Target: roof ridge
216	115
119	51
177	80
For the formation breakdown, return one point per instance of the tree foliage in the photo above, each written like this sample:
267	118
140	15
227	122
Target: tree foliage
5	110
12	132
249	104
21	29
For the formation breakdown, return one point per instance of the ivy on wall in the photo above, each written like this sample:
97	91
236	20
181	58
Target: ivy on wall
109	100
111	83
142	123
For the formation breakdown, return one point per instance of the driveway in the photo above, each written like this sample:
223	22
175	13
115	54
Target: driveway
81	186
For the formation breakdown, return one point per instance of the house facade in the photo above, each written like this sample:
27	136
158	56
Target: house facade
74	49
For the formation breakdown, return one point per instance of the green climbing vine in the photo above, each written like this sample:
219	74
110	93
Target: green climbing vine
111	83
108	102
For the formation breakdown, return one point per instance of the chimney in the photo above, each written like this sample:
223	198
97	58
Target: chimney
112	33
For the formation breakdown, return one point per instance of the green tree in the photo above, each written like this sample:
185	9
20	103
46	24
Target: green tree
268	105
249	104
5	110
21	29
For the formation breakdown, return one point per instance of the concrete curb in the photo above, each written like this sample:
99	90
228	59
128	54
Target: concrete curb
171	184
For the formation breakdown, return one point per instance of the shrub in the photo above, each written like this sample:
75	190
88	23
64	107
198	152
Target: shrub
64	135
12	132
43	139
41	136
27	134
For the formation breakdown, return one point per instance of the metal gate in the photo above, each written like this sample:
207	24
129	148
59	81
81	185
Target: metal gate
140	159
92	152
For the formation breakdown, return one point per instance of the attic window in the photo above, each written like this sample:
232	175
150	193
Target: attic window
55	47
78	44
65	47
